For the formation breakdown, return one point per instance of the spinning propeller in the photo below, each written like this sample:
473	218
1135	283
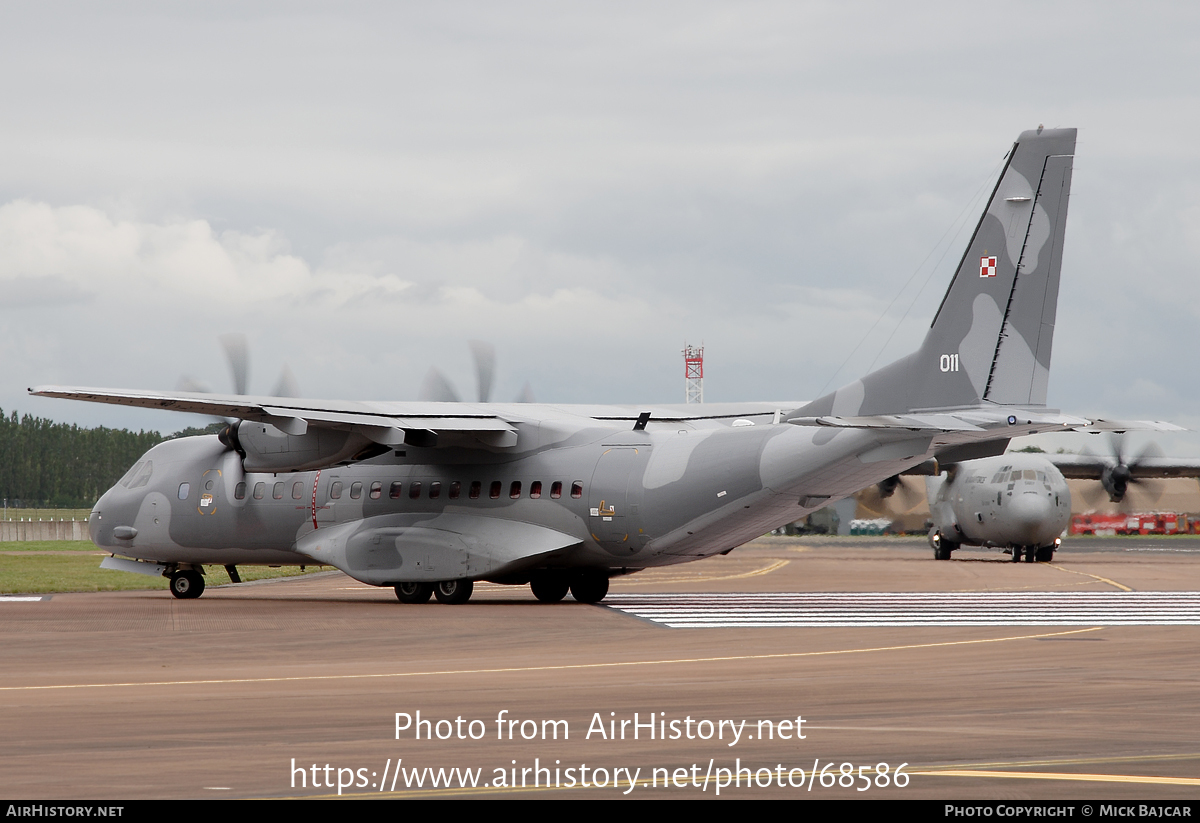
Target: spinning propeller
1120	472
436	387
237	355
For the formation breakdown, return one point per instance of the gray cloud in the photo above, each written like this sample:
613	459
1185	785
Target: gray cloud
363	189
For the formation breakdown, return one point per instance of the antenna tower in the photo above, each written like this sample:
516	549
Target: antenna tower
693	373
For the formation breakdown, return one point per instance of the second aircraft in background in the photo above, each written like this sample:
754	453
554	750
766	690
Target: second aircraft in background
1021	501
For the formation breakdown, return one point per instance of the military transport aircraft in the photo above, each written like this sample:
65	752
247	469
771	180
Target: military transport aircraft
429	497
1021	502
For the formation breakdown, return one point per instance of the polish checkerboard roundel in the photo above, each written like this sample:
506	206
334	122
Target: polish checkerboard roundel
987	267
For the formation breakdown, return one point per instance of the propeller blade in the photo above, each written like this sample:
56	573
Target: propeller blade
485	367
187	383
526	395
435	387
1094	494
287	385
908	495
237	351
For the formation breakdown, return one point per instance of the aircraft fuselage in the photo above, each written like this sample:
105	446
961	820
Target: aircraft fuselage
610	499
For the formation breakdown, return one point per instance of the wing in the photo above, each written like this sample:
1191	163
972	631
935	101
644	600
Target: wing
389	424
426	424
1093	467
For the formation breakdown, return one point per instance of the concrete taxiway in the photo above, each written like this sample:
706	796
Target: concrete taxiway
263	690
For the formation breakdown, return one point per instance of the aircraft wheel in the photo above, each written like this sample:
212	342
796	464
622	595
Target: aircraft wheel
414	592
550	588
943	549
453	592
187	585
1045	554
1016	554
1030	554
589	588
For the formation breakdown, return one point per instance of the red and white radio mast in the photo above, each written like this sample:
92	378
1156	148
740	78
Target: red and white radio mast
693	373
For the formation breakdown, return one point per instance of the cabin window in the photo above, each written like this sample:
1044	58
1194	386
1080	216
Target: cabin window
376	490
335	490
577	489
535	489
514	491
184	488
435	490
355	490
394	491
494	491
277	490
260	488
556	489
455	489
298	490
476	486
414	489
239	491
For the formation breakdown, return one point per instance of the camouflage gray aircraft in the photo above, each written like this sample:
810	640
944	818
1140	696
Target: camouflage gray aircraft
1021	502
429	497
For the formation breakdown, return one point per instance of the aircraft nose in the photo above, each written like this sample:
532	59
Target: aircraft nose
104	516
1032	521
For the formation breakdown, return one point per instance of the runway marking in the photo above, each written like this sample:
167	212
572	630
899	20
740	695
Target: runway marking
21	599
1067	761
1090	778
901	609
528	669
647	784
1093	576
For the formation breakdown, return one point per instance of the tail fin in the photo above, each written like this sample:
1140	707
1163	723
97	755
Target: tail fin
990	339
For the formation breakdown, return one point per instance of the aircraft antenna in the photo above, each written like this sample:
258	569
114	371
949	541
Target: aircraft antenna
693	373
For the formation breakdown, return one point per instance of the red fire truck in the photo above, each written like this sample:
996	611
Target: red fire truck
1133	523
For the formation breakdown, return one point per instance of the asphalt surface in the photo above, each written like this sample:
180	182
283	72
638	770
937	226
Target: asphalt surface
243	692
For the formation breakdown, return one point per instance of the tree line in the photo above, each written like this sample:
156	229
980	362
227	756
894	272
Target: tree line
56	465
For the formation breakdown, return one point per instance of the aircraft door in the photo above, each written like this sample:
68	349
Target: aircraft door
614	507
328	489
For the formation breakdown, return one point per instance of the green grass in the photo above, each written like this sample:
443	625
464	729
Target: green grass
49	546
46	574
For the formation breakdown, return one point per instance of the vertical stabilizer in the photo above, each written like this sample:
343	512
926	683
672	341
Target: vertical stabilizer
990	340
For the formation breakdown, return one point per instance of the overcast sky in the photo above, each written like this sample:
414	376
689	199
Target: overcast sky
362	188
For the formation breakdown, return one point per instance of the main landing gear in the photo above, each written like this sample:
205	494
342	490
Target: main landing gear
585	586
187	584
414	592
450	592
1033	554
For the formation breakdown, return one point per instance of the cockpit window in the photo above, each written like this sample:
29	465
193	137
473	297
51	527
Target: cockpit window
1030	474
143	476
129	475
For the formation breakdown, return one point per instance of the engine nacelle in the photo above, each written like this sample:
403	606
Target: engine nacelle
264	448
